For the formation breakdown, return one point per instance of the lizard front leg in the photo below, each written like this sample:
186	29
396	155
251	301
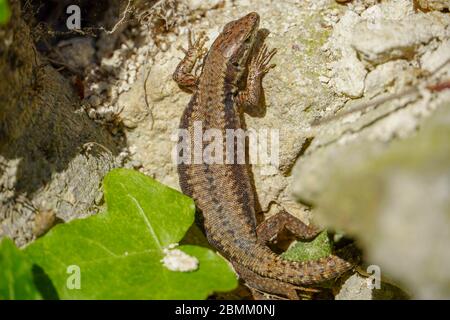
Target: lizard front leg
196	51
258	68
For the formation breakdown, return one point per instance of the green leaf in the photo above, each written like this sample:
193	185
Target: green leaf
5	12
118	252
319	247
16	275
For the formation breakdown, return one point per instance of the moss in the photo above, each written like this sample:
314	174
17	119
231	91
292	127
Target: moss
319	247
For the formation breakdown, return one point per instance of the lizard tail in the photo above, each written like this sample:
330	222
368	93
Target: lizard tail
310	272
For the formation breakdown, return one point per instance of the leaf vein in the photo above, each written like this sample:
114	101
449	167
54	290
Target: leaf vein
147	222
99	245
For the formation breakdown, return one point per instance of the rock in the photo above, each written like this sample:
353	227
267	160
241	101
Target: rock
398	73
94	100
77	52
382	33
394	200
381	40
92	113
52	156
433	59
433	4
382	175
357	287
347	72
203	5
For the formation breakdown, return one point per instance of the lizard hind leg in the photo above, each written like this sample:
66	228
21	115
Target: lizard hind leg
271	227
259	285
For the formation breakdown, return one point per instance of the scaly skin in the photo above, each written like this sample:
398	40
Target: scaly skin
223	192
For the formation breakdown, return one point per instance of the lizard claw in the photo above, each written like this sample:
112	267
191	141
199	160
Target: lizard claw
197	46
260	63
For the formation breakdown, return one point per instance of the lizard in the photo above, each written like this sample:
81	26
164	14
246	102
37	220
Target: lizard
223	193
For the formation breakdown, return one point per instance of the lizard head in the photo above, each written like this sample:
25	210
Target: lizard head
236	40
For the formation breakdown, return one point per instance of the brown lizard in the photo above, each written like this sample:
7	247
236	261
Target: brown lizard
223	192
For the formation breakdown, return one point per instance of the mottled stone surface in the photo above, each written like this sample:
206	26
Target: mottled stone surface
395	200
382	175
52	156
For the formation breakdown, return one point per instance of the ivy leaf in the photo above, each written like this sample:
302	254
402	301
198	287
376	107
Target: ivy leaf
118	253
16	274
5	12
315	249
